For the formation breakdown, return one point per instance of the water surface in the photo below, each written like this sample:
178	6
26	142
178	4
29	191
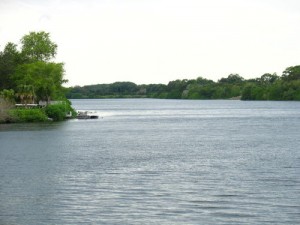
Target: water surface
155	162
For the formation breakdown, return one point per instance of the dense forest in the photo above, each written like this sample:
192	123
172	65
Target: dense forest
267	87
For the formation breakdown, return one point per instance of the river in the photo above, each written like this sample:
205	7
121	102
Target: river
150	161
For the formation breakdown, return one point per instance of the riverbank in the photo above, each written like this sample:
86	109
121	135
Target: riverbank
57	112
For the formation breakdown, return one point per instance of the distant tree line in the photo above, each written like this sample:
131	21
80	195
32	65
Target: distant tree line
267	87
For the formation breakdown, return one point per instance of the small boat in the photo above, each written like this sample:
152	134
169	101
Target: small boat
86	115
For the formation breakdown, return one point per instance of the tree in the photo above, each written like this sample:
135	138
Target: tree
8	95
268	78
203	81
291	73
175	88
45	78
248	92
123	88
9	59
26	93
232	79
37	46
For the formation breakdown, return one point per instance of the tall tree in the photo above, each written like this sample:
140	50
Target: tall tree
268	78
37	46
291	73
232	79
46	79
9	59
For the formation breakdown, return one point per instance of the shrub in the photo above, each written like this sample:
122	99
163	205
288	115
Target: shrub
28	115
56	112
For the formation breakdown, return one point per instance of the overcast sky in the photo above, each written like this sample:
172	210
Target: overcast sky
156	41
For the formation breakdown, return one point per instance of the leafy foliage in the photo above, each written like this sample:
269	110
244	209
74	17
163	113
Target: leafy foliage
32	77
29	72
56	112
267	87
27	76
37	46
8	95
232	79
28	115
291	73
9	59
46	79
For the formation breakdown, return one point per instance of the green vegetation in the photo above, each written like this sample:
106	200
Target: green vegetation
28	76
58	112
28	115
267	87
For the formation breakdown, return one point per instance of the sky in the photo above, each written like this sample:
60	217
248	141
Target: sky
156	41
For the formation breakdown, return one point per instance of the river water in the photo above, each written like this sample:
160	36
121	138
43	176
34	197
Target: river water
147	161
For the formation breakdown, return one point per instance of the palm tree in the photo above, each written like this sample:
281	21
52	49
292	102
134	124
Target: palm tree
26	94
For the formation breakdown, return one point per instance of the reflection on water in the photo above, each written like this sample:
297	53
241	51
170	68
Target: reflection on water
155	162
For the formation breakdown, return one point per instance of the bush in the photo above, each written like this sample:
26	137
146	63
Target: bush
56	112
28	115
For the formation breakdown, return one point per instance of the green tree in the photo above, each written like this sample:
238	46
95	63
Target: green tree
45	78
268	78
175	88
248	92
232	79
291	73
26	93
9	59
203	81
276	90
8	95
37	46
123	88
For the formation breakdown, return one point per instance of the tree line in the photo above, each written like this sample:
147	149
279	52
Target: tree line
27	75
267	87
